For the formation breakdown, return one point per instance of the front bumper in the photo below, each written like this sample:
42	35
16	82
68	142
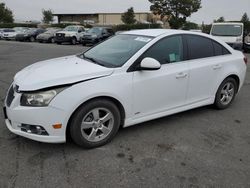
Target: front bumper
42	40
22	38
63	39
46	117
89	40
9	38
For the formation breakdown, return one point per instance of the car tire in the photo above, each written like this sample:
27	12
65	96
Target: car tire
32	39
52	40
95	123
59	43
73	41
83	43
226	93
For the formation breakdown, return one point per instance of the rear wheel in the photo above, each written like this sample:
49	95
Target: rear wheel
226	93
52	40
95	123
32	39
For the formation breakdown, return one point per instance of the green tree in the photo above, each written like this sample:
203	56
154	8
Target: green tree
176	10
246	22
129	16
47	16
220	19
190	25
6	15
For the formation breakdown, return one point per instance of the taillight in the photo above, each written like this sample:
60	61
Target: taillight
245	59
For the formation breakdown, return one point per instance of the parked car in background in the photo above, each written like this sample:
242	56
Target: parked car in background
29	35
1	33
48	36
96	35
71	34
20	29
133	77
247	43
9	34
231	33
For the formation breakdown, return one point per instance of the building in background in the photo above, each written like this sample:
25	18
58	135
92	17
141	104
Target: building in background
100	18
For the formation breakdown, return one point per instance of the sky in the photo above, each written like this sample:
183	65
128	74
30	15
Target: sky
26	10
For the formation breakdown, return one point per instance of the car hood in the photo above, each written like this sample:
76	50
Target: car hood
67	32
59	71
45	35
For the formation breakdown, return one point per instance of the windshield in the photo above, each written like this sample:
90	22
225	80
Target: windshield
8	30
51	31
227	30
95	30
116	51
71	28
31	30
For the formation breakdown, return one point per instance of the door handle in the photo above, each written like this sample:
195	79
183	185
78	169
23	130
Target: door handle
218	66
181	75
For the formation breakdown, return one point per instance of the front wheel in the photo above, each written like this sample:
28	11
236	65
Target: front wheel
52	40
226	93
73	41
95	123
32	39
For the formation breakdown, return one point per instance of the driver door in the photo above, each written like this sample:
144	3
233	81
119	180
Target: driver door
164	89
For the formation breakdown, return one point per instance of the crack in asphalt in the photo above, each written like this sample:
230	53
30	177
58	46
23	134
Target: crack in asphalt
5	82
66	166
14	178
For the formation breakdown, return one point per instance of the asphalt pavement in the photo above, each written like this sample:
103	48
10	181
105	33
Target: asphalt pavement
198	148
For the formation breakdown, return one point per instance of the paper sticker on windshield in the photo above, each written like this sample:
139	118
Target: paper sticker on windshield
237	26
143	39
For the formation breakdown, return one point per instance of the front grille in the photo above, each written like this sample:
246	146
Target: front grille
60	35
10	96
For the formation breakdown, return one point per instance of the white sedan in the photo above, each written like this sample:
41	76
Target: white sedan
131	78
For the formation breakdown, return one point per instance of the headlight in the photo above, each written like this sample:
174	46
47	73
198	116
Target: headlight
39	99
94	36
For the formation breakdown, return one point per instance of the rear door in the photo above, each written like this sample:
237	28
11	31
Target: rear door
205	66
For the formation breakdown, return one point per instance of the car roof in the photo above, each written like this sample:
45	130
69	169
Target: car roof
159	32
228	23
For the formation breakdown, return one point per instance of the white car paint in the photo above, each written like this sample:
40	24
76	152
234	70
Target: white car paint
144	95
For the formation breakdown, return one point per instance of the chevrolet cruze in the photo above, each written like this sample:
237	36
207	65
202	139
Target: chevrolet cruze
130	78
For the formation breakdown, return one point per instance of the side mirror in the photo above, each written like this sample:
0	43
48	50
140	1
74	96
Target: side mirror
149	64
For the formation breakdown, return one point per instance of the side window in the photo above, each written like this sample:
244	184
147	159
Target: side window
219	49
199	47
167	50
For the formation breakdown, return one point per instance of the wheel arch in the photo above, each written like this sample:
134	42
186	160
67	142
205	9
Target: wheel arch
236	78
112	99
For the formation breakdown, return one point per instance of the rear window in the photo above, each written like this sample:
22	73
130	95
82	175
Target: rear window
219	49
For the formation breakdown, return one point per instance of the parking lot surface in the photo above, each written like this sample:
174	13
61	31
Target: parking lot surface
198	148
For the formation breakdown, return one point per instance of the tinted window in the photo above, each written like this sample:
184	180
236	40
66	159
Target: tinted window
167	50
219	49
199	47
